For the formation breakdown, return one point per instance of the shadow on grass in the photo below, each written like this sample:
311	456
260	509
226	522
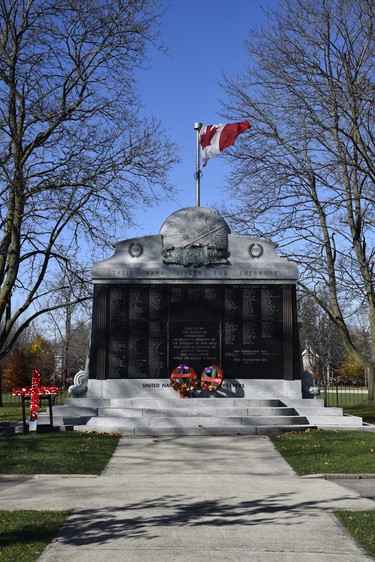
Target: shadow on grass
29	527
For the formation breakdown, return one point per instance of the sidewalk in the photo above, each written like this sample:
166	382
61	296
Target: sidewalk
194	499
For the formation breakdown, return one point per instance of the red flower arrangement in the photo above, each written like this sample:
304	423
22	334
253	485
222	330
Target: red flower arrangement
211	378
184	379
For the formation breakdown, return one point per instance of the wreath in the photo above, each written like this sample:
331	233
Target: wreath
211	378
184	379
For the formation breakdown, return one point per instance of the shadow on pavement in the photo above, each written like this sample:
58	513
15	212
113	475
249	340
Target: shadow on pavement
142	520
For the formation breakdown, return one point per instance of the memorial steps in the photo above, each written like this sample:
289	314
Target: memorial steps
198	416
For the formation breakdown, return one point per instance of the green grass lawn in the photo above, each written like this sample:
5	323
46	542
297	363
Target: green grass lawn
333	452
64	452
343	398
25	534
11	414
365	410
361	524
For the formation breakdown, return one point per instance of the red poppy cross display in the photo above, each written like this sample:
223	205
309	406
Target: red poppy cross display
34	392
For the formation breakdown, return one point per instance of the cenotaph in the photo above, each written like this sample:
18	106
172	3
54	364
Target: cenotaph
194	294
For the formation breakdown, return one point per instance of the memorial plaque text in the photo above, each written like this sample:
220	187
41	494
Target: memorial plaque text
150	329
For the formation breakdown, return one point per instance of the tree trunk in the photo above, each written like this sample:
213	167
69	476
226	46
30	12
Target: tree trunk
66	349
371	382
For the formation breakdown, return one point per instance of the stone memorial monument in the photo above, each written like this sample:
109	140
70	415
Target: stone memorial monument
195	303
194	294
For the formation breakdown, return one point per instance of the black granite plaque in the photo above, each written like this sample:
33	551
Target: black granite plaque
117	352
253	332
194	326
195	343
145	331
194	303
157	349
158	300
137	343
117	304
138	303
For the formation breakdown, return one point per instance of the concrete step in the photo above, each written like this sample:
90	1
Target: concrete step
321	411
176	402
115	425
308	406
69	415
74	410
334	420
175	416
195	410
87	402
207	421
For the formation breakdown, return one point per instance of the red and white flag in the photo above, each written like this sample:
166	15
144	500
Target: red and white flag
215	138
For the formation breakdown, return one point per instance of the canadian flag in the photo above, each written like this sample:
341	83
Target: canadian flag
215	138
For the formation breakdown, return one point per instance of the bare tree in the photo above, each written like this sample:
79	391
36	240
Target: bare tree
319	335
306	175
69	327
76	154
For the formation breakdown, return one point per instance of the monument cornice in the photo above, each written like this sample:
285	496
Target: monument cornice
248	259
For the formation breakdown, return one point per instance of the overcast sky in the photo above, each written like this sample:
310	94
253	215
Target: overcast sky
204	40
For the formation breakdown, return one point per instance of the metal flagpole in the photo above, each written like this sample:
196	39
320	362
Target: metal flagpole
198	173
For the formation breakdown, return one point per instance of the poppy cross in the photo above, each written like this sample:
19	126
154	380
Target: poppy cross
34	392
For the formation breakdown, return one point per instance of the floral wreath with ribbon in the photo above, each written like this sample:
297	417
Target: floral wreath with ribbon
211	378
184	379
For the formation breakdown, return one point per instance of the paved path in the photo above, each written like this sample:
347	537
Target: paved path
194	499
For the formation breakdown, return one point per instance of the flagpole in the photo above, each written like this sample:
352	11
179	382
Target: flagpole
198	173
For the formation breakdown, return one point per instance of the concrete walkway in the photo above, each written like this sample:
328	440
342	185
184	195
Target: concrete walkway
194	499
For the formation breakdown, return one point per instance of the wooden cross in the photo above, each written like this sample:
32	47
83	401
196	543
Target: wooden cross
34	392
